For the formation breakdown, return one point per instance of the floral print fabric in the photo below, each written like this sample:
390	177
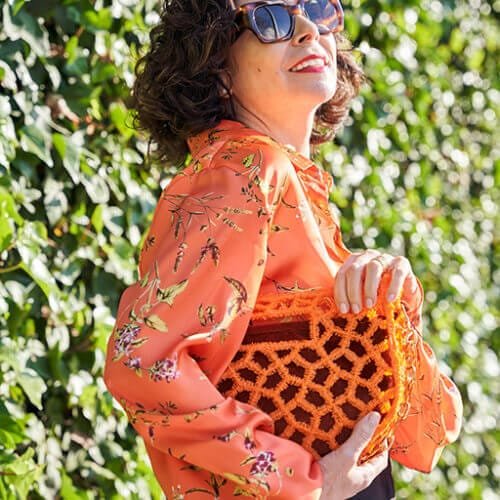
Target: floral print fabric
248	216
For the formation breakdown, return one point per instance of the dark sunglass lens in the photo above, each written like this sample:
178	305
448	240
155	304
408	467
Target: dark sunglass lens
272	21
327	14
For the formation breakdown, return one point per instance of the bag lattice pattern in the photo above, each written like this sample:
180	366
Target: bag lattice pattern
316	371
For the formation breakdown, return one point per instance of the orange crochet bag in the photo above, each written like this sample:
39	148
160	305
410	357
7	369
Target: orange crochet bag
317	371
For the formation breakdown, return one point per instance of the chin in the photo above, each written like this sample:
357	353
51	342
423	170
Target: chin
314	88
320	93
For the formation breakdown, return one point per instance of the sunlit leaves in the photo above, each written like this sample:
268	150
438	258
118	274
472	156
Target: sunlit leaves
33	385
121	120
423	128
69	153
414	170
38	142
74	202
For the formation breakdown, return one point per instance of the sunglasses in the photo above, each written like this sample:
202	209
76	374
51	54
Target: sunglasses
273	22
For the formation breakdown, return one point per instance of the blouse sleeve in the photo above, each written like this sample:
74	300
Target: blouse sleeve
435	415
182	322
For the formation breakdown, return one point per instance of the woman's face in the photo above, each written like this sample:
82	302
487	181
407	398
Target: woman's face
262	77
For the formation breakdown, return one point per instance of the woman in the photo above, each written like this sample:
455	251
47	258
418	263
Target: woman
246	89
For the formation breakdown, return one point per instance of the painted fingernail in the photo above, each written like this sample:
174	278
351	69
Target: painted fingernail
391	297
343	308
355	308
369	303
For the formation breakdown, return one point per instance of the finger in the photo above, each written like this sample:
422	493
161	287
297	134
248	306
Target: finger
354	285
400	269
374	270
373	467
340	293
410	285
355	277
361	435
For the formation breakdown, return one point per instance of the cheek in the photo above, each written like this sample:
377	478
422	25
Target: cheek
330	45
254	71
243	65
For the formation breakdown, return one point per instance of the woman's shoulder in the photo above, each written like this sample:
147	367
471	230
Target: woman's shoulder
251	152
235	146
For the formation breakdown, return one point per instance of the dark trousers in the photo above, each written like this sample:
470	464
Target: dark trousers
381	488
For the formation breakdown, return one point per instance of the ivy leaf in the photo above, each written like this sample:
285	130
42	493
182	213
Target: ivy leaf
23	472
31	238
33	385
121	119
38	142
6	232
100	19
55	201
70	155
96	188
23	26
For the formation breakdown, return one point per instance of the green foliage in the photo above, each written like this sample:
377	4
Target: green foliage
74	202
415	174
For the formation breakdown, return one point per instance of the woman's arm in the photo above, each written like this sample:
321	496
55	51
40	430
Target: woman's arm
182	322
435	416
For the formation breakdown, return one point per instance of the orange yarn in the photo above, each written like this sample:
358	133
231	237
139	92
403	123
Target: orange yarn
317	371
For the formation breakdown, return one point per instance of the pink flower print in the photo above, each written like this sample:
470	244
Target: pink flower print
248	443
264	464
164	369
125	337
133	363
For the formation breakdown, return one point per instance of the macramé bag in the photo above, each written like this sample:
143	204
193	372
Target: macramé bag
317	371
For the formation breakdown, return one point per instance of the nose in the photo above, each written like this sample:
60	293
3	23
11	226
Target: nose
305	30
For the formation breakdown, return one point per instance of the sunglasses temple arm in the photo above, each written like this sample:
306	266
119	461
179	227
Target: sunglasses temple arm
232	4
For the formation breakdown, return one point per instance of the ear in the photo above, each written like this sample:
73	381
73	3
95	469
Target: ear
225	84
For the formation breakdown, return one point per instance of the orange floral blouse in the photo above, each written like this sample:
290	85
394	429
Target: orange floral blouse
248	216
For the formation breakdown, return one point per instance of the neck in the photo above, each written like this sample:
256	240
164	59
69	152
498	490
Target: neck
293	131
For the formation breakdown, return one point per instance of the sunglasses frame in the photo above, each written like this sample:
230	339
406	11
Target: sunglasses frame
245	16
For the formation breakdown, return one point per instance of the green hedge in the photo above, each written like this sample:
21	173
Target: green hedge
415	172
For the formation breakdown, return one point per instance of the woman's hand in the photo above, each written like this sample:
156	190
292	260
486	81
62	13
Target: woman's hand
342	477
357	281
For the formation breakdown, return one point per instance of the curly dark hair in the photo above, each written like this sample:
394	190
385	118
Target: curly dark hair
178	85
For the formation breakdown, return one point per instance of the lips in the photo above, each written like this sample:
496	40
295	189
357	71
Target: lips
311	61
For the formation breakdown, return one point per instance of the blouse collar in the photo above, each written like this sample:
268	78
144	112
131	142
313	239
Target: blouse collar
231	129
318	180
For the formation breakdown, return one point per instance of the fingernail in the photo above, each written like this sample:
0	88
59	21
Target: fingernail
355	308
343	308
369	303
391	297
